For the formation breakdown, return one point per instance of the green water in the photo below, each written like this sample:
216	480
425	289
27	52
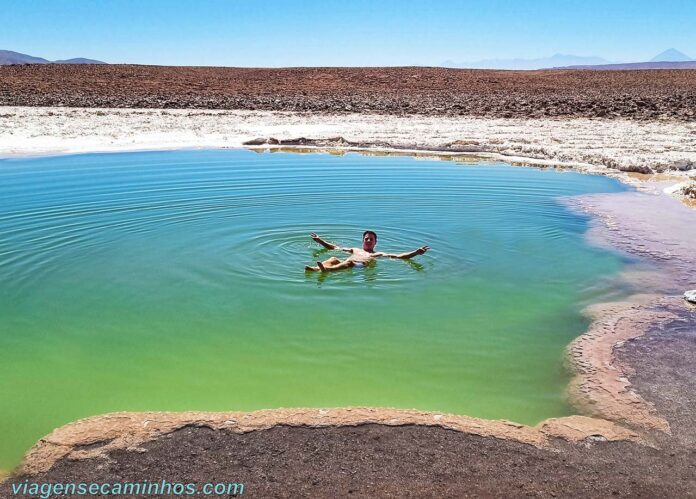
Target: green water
175	281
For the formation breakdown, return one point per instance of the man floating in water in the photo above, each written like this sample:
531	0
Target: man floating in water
358	256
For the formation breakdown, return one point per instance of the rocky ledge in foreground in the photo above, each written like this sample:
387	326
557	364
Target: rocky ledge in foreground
383	461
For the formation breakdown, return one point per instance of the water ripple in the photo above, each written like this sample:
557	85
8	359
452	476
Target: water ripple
253	216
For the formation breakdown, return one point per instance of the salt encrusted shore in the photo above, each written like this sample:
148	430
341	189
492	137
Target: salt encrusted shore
614	147
616	144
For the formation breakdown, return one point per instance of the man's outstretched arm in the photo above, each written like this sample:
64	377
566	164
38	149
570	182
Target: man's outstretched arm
410	254
327	244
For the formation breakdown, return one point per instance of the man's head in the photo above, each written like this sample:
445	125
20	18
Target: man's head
369	240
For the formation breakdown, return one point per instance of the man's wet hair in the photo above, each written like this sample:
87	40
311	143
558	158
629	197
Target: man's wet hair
370	232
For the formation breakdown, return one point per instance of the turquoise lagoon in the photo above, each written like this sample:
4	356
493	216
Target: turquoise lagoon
174	281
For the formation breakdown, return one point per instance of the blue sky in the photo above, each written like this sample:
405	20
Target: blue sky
343	33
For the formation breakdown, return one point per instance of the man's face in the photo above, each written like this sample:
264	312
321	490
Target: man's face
369	242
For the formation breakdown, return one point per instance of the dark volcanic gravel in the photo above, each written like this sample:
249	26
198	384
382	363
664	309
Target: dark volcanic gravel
643	94
667	374
381	461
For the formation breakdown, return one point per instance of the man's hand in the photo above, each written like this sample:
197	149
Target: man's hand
314	236
422	250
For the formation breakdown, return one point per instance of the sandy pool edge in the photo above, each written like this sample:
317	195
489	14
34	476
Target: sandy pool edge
95	436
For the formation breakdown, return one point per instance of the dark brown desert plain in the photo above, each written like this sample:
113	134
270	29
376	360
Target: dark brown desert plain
376	460
641	94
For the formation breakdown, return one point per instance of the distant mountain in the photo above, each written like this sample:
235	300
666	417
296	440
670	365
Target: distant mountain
10	57
78	60
671	55
556	60
669	59
638	65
